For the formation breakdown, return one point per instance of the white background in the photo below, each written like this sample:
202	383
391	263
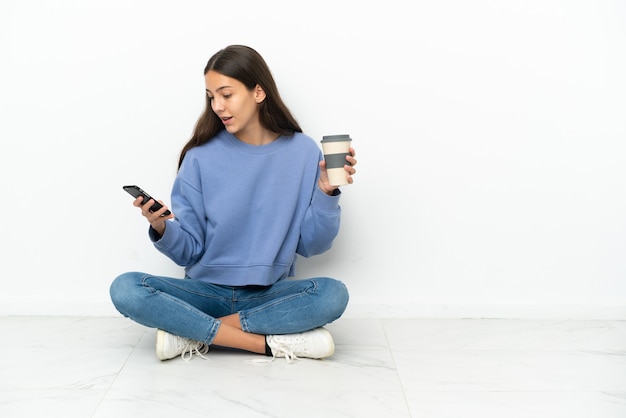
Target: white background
491	138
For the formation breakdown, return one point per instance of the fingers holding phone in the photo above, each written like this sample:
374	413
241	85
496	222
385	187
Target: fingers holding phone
153	210
136	192
156	218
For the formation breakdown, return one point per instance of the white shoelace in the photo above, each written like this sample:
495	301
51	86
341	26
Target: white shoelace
287	351
194	347
278	349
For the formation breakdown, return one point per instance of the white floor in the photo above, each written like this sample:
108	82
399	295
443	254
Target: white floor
105	367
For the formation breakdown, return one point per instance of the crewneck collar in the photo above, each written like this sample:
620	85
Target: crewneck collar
254	149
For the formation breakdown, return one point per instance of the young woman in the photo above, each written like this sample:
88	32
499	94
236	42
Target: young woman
251	192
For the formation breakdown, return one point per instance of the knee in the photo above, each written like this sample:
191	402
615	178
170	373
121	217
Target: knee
122	290
336	297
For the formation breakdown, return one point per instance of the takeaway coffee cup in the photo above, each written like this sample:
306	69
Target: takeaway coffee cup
335	148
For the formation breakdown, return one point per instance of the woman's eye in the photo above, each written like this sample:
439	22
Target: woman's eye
227	96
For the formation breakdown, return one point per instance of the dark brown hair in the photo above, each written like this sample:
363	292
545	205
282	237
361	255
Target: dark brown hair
247	66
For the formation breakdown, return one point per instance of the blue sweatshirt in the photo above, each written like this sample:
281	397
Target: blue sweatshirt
243	212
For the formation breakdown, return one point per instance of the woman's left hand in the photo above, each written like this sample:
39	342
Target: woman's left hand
323	183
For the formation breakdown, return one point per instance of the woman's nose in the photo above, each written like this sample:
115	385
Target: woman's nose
217	104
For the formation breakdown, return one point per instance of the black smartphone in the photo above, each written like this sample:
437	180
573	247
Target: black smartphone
136	191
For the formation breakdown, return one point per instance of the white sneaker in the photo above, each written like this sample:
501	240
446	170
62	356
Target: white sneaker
169	346
317	343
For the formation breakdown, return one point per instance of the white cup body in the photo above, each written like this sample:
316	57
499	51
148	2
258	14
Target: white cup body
334	152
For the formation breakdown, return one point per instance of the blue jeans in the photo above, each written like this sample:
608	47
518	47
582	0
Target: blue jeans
190	308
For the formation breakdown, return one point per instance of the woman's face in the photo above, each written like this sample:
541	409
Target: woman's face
233	103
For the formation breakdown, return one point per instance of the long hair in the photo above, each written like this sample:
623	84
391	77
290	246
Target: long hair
247	66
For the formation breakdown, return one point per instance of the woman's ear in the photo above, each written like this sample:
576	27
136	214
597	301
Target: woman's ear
259	94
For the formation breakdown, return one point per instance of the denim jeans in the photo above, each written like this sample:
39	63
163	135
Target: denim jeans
190	308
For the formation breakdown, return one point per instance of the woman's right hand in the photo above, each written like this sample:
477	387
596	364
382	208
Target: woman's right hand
156	219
